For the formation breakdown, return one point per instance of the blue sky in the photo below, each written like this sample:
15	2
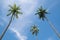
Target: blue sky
20	28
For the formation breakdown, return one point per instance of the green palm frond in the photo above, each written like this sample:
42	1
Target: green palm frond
41	13
41	8
9	14
11	6
34	30
14	10
18	8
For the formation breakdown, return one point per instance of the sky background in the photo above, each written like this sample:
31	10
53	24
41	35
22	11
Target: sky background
20	28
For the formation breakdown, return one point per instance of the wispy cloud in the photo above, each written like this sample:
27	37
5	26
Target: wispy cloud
50	38
20	37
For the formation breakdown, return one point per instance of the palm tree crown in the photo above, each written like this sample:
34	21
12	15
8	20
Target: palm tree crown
41	12
34	30
14	10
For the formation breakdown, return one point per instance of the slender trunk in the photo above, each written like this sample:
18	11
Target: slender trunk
36	38
53	27
3	33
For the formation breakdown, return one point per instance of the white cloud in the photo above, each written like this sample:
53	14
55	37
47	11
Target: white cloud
21	24
50	38
20	37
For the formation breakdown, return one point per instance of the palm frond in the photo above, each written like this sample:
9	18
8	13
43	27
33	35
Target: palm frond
41	13
18	8
16	16
34	30
14	10
9	14
11	6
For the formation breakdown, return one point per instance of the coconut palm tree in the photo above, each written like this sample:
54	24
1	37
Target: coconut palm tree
42	15
14	11
34	31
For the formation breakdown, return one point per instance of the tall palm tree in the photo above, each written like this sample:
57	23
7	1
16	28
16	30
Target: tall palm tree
42	15
34	31
14	11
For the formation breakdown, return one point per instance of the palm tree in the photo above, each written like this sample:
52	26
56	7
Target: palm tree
42	15
34	31
14	11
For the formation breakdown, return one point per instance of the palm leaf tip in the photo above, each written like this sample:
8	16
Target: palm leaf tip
21	13
10	6
18	8
9	14
36	13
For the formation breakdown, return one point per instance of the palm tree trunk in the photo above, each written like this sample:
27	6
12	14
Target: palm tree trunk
36	38
6	28
53	27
